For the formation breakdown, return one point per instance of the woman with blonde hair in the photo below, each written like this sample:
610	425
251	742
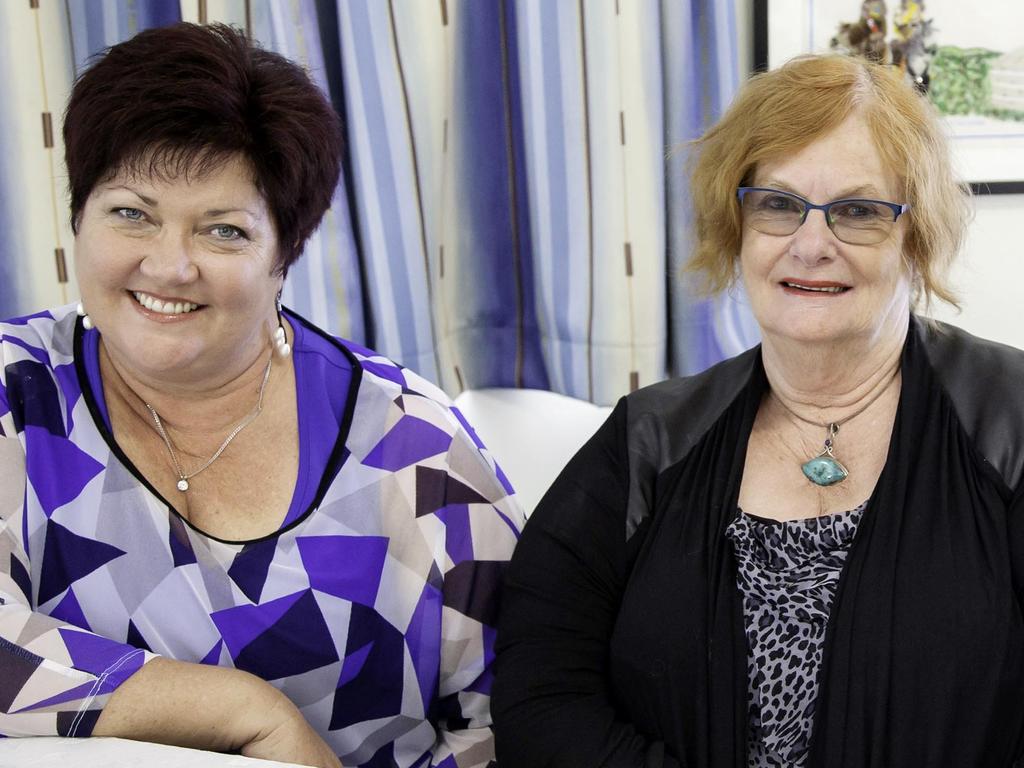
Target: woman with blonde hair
811	554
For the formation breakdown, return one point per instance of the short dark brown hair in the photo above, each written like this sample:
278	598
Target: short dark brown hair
778	113
183	99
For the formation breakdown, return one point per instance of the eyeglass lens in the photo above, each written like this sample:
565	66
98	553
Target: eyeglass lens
858	222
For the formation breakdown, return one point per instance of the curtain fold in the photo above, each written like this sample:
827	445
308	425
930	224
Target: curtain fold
513	210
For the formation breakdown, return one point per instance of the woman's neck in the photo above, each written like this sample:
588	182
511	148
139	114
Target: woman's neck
202	407
829	382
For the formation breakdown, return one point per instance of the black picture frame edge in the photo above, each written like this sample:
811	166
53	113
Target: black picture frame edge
761	65
760	35
997	187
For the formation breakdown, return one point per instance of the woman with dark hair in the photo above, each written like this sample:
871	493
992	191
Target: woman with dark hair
811	554
221	527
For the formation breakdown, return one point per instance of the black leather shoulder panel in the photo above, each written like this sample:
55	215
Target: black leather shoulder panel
985	381
664	421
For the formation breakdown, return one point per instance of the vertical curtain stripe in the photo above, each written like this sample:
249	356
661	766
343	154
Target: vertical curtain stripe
324	284
374	172
417	188
588	183
513	197
558	121
541	215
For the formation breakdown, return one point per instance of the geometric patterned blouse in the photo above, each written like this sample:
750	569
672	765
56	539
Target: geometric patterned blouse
373	610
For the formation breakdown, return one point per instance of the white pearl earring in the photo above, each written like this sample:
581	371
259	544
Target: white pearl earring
86	320
281	345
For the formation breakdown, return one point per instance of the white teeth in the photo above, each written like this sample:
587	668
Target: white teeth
162	307
830	289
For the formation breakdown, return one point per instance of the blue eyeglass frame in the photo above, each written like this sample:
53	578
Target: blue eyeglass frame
896	208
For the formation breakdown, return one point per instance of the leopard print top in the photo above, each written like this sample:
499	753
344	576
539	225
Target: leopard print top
787	573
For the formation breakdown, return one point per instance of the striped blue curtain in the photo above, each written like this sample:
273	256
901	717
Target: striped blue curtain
695	38
507	216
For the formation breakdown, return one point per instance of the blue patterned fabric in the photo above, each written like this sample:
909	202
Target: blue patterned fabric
373	612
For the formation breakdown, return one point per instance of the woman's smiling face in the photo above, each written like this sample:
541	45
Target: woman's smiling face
810	286
178	273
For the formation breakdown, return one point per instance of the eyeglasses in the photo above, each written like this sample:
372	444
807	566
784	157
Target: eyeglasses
853	220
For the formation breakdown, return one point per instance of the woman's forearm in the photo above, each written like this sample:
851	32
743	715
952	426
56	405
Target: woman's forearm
188	705
212	708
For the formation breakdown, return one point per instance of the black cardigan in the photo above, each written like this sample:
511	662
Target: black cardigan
621	640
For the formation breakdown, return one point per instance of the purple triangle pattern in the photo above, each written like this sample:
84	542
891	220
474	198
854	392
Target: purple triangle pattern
98	655
389	372
77	468
71	694
70	611
480	446
213	657
458	536
67	557
377	677
409	441
298	642
135	638
241	625
25	319
376	691
358	349
348	567
423	637
179	543
353	664
503	479
465	425
251	565
39	354
67	378
32	396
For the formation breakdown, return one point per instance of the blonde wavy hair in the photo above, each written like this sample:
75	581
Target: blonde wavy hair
780	112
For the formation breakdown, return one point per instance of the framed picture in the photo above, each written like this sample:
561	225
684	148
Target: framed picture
970	63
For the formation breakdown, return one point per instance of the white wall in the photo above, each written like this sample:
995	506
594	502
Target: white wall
989	275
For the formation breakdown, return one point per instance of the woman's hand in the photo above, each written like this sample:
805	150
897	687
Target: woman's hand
213	708
286	736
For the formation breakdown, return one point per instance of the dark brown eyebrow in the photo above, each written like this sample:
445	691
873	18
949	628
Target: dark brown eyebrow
142	197
213	213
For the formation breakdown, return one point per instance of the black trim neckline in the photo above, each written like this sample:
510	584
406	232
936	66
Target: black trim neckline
335	460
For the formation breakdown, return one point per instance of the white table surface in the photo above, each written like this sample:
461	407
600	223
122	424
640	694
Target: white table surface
55	752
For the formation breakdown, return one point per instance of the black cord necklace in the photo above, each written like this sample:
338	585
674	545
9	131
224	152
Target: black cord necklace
824	468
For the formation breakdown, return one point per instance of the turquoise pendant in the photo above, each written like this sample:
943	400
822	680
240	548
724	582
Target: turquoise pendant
824	469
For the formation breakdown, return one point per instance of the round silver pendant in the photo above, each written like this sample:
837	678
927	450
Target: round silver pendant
183	485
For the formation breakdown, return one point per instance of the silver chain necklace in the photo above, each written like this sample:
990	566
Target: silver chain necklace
183	478
824	468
